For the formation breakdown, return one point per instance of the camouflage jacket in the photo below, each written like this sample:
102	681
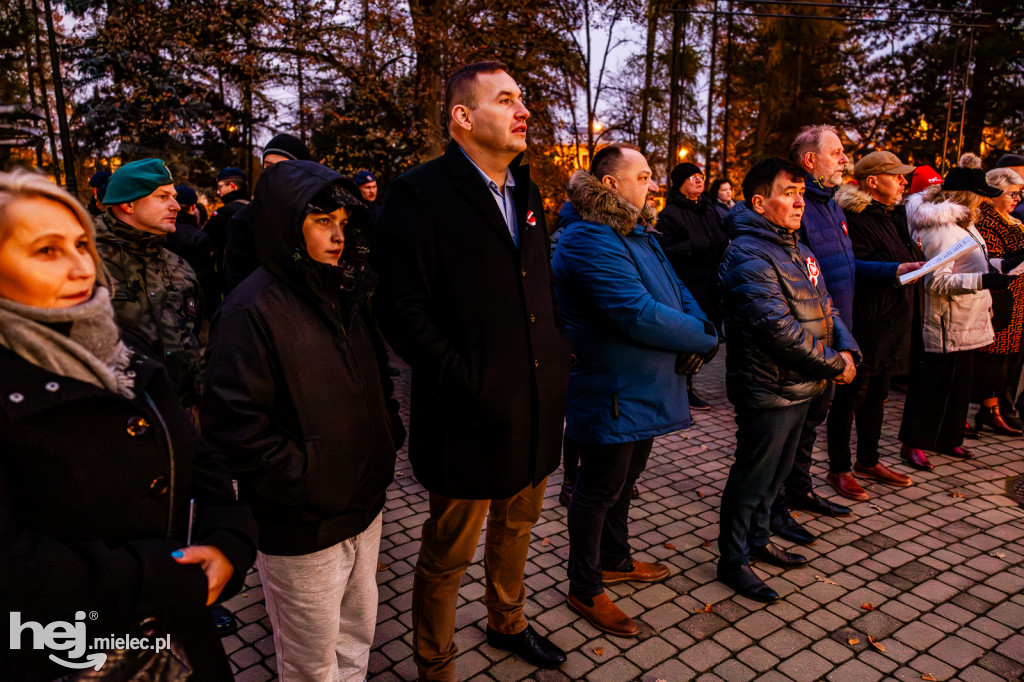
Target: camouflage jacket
156	297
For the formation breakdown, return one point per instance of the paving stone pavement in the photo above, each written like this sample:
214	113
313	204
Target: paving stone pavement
925	580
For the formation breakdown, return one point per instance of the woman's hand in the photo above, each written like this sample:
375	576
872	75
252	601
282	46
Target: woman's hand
215	565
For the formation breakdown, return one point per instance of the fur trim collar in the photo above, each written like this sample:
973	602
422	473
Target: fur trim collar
922	214
853	199
598	204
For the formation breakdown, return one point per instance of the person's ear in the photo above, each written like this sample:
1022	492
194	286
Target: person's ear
871	181
127	208
462	117
611	182
757	203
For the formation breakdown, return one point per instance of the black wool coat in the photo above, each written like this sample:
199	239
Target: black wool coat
475	318
690	234
94	497
883	311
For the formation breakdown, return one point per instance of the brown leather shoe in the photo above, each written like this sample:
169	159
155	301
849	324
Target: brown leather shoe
992	417
882	473
916	458
605	616
847	486
642	573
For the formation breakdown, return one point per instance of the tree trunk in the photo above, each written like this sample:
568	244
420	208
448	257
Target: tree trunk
645	96
428	22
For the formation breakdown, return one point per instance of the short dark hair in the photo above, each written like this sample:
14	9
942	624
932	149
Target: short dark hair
761	176
717	185
459	88
608	160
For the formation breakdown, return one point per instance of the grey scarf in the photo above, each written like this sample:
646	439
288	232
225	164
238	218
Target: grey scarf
91	352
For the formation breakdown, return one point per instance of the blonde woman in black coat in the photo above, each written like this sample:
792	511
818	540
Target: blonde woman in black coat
114	517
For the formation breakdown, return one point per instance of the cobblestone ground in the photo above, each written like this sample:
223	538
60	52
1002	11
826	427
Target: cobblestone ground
920	583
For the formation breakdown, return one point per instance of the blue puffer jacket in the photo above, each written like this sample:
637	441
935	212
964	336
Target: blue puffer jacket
784	334
824	230
627	316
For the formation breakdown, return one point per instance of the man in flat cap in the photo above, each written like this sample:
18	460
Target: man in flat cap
156	294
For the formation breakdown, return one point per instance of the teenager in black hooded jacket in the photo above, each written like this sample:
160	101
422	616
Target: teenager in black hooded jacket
298	400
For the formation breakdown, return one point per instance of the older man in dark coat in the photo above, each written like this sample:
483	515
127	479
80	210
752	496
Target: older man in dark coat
465	298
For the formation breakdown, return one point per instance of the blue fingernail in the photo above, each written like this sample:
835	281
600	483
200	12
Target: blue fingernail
177	554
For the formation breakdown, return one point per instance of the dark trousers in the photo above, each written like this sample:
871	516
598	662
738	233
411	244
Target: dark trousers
937	400
599	512
570	461
798	482
863	398
766	443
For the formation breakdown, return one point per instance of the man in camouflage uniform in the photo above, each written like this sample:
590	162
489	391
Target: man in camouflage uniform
156	294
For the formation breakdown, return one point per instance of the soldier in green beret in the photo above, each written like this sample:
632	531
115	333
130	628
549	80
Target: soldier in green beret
156	294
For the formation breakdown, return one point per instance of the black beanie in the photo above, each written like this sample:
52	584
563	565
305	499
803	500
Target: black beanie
287	145
681	173
1010	160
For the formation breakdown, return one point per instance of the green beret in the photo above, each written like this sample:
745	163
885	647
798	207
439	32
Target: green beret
136	180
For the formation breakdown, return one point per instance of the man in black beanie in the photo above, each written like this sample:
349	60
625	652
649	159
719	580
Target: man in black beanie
691	236
240	259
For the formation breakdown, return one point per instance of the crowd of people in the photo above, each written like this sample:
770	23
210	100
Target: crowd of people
183	398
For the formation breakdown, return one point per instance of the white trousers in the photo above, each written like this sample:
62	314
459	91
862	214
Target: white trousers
323	608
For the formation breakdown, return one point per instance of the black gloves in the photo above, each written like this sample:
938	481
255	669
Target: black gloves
691	363
1012	259
996	280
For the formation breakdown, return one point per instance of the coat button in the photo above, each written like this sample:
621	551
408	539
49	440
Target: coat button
15	397
158	487
147	626
52	386
536	363
137	426
533	318
524	272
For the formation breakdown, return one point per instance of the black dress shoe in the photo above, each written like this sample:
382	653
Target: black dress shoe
535	648
745	581
786	527
223	620
696	402
777	557
960	452
812	503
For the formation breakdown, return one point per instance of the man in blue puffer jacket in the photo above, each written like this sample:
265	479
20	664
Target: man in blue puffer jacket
634	328
786	344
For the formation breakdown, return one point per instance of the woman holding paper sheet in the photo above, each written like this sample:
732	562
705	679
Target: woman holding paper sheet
956	317
998	366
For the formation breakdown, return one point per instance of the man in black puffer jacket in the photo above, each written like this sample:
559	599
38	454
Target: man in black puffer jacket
785	342
298	400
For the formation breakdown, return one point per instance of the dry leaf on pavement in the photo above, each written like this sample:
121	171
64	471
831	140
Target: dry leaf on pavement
875	644
821	579
599	651
853	641
381	566
928	677
868	607
669	545
545	542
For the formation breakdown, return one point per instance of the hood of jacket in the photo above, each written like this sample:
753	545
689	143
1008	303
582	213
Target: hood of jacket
923	214
595	203
853	199
280	206
743	220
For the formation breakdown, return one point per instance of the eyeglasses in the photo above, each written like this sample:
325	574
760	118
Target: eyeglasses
1016	195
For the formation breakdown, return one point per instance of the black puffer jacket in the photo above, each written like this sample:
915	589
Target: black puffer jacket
784	335
296	395
883	311
692	238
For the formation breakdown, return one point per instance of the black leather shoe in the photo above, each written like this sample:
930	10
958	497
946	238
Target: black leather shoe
786	527
777	557
745	581
223	620
812	503
535	648
696	402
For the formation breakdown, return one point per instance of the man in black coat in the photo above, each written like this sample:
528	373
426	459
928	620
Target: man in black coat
465	298
883	312
233	190
691	236
786	341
